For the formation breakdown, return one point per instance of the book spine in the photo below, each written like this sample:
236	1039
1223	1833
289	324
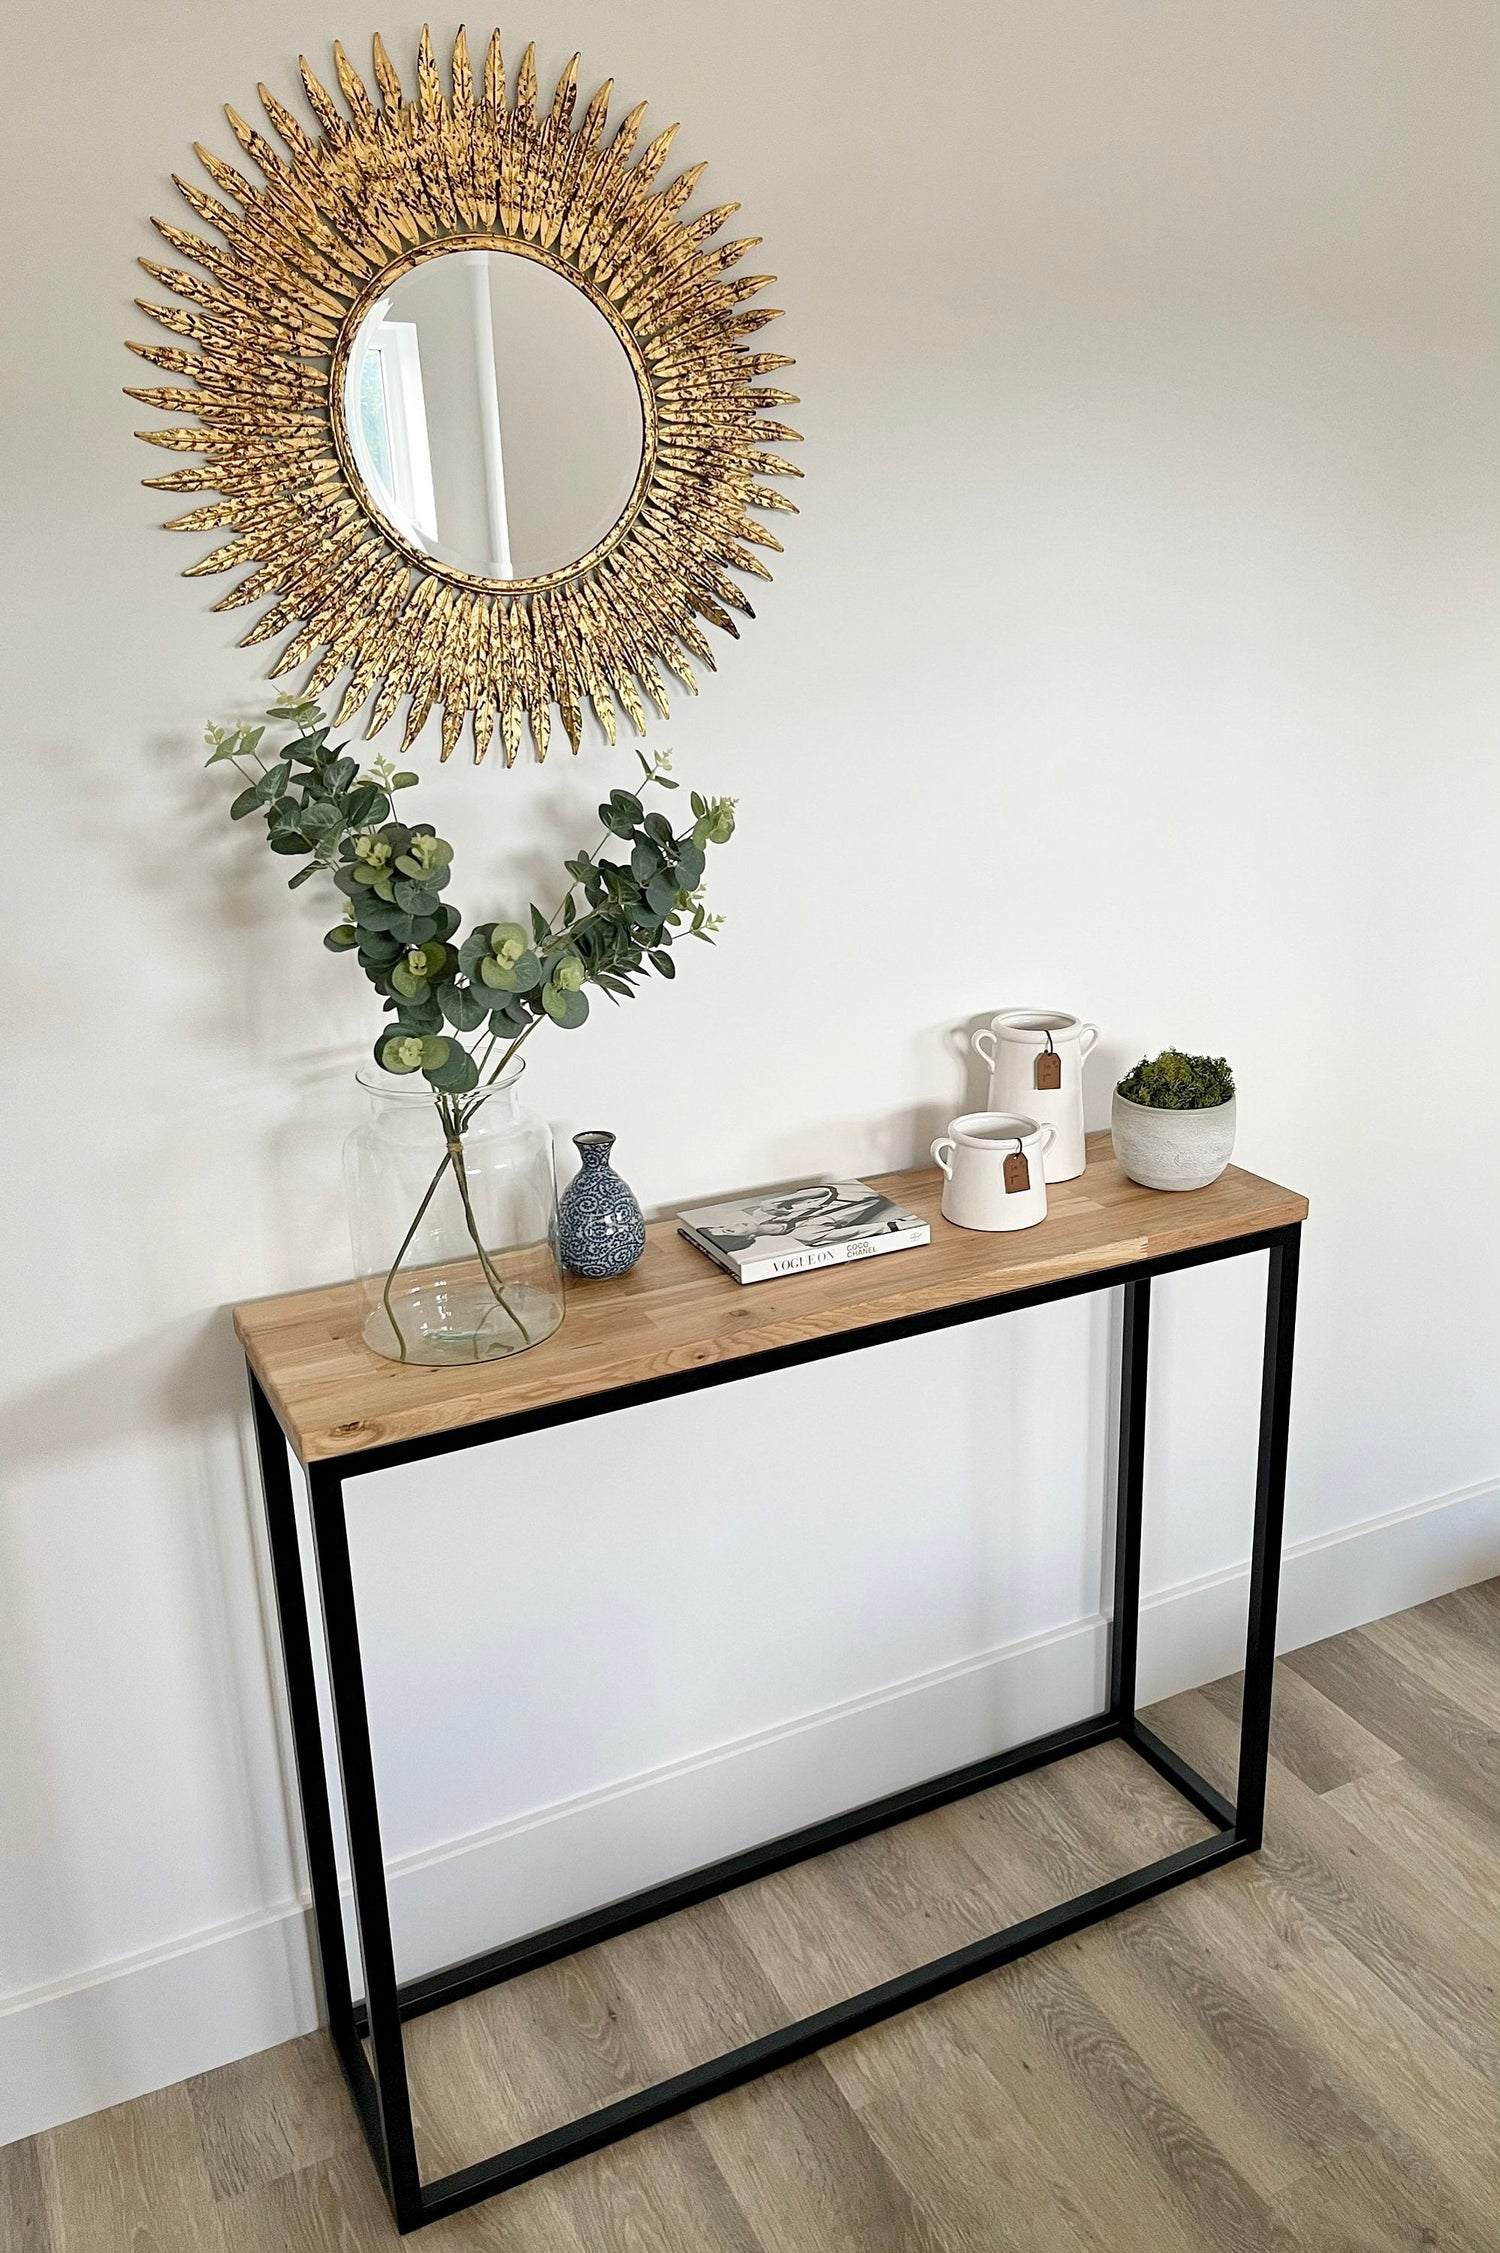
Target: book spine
709	1251
830	1255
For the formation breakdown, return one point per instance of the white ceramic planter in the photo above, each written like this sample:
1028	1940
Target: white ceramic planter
1172	1149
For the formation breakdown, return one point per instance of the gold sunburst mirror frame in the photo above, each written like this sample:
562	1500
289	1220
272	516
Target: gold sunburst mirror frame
273	313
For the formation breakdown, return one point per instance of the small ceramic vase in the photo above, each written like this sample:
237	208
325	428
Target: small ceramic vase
600	1227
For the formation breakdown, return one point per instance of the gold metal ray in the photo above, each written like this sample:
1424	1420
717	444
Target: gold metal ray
387	181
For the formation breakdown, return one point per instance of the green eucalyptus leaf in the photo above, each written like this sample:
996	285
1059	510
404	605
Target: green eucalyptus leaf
424	1016
274	781
465	1007
413	930
658	827
341	938
405	781
566	1009
661	893
474	948
303	874
662	963
516	977
376	914
645	861
457	1073
416	898
288	841
245	803
399	1052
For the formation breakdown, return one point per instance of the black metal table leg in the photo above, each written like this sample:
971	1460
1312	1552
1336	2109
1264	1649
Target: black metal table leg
1265	1552
1130	1481
382	2009
302	1709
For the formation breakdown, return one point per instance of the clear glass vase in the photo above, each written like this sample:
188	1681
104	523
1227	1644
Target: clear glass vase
453	1213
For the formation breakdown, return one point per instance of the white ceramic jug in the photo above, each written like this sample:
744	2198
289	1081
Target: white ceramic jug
1011	1046
979	1155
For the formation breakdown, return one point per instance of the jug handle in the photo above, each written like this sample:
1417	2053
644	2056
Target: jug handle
943	1142
977	1041
1088	1039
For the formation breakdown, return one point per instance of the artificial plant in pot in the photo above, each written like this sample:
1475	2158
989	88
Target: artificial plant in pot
452	1197
1173	1120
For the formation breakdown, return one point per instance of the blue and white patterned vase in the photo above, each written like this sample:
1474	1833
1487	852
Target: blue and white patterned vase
601	1230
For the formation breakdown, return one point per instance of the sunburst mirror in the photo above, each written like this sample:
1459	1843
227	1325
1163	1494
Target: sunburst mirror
477	398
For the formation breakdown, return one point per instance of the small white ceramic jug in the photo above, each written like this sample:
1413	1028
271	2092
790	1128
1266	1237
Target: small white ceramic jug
1017	1046
992	1163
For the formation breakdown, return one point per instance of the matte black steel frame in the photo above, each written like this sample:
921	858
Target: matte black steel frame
378	2082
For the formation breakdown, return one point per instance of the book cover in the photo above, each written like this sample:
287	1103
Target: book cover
790	1231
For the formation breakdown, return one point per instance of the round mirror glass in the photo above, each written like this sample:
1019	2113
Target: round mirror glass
493	414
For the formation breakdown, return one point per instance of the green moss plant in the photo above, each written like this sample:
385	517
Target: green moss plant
1177	1082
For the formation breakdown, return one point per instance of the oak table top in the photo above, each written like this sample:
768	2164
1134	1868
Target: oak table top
676	1311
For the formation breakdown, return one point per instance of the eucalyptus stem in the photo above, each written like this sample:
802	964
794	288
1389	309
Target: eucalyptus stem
461	1176
416	1222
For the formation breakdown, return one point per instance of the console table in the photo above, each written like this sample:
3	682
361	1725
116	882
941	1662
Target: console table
673	1325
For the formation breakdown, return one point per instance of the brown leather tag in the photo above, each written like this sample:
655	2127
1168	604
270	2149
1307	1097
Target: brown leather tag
1048	1069
1017	1173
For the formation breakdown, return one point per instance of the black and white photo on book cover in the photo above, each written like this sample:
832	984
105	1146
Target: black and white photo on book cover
818	1218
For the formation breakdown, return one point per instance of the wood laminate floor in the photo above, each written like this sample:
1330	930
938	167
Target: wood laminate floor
1297	2054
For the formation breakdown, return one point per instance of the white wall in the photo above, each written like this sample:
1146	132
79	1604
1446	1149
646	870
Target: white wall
1136	650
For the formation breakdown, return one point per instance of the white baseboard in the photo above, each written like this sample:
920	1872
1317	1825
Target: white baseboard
117	2030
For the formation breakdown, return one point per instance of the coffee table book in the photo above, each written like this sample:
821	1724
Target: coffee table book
789	1231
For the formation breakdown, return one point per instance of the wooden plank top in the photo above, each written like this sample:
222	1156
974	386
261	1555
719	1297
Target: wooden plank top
676	1311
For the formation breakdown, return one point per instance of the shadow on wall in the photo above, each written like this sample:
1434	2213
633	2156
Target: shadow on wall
194	1509
188	1372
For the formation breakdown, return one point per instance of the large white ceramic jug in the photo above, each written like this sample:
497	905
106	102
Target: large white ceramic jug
1011	1045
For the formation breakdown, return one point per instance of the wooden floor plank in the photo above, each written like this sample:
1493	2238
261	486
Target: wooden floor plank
271	2115
1316	1740
1138	2172
1453	1850
1394	1922
807	2175
1297	2054
1442	1737
1443	1645
131	2180
1367	2198
23	2200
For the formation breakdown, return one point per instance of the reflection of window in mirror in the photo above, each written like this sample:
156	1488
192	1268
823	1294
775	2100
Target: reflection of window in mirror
390	416
494	414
